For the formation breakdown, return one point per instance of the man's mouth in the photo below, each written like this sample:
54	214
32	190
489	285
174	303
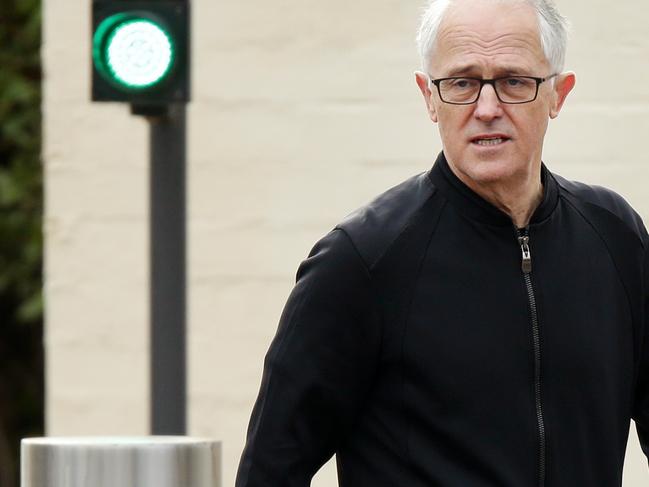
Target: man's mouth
489	140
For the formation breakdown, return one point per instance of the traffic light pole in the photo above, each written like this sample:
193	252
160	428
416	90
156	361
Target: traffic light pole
168	272
140	52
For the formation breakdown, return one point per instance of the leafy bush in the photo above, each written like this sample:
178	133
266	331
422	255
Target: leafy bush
21	364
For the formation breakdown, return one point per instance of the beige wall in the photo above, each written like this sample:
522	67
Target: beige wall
302	111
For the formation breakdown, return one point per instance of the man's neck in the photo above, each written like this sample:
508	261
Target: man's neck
518	197
520	210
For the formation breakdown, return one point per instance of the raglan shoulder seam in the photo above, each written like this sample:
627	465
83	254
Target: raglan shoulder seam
605	200
370	219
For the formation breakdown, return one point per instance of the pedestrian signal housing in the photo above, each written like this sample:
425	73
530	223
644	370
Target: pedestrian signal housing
140	51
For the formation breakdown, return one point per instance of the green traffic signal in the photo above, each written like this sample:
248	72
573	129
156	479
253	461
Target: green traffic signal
133	52
140	52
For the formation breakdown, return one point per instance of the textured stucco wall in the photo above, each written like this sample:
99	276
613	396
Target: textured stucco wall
302	111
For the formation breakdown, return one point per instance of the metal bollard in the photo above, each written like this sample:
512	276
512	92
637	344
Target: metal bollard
153	461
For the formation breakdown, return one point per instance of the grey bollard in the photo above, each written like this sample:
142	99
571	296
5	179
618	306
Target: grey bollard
152	461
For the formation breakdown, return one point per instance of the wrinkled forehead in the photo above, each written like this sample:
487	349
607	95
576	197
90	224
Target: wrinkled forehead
475	35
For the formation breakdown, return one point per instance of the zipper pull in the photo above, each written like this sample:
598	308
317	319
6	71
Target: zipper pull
526	264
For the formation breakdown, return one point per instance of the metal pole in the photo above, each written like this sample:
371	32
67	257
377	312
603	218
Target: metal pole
120	461
168	274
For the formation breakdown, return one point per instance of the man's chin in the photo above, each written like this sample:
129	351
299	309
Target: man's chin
488	171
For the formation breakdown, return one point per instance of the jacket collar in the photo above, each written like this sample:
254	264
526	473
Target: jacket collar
475	207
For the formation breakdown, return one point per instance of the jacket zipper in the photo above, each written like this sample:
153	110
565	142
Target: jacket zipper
526	267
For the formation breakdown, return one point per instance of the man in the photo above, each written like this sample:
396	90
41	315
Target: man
481	324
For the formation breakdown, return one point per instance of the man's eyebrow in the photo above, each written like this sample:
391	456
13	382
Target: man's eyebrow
474	70
463	70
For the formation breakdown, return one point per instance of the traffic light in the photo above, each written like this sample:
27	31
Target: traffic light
140	51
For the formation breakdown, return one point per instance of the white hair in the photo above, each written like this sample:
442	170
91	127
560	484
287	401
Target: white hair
553	30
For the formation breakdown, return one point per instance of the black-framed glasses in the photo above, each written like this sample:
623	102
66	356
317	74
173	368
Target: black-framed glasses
509	89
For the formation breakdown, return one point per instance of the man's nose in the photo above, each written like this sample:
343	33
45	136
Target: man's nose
488	106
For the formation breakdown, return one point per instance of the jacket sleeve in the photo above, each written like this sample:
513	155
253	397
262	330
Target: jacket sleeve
317	371
641	405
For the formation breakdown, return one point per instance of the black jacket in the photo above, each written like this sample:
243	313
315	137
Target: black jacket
418	346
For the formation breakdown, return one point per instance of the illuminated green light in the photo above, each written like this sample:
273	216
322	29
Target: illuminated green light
134	53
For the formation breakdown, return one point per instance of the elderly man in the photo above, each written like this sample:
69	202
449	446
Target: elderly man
481	324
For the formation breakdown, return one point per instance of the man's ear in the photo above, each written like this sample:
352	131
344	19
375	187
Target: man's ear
563	85
424	86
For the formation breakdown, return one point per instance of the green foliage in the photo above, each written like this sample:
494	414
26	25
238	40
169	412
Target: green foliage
21	367
20	171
